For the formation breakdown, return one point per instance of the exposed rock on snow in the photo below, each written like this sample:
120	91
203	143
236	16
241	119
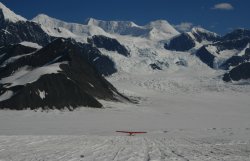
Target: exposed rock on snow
240	72
9	53
109	44
205	56
237	34
182	42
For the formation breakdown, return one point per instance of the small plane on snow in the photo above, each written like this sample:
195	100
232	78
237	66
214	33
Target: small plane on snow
132	133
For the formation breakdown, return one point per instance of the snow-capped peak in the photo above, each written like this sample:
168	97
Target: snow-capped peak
198	30
155	30
59	28
41	16
161	30
162	25
111	24
45	20
117	27
9	15
54	27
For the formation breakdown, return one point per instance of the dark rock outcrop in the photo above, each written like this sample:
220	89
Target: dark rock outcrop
109	44
11	33
182	42
159	65
14	50
181	62
155	66
237	34
52	91
205	56
58	50
238	73
236	60
238	44
247	52
232	62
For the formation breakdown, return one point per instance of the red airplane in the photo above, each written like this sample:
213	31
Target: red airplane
132	133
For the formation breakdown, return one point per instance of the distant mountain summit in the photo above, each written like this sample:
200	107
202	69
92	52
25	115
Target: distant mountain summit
15	29
204	36
195	38
155	30
58	28
8	15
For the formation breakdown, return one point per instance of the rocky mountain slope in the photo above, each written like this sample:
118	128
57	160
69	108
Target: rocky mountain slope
59	75
48	63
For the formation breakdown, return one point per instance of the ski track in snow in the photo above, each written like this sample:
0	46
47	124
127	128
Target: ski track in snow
177	145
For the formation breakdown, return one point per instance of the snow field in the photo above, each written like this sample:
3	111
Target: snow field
181	145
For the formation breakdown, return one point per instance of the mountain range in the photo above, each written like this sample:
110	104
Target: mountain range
51	64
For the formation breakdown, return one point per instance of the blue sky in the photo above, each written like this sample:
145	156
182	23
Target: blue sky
220	16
